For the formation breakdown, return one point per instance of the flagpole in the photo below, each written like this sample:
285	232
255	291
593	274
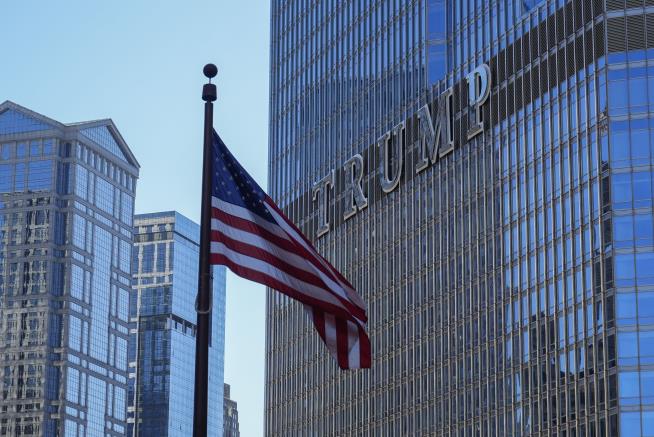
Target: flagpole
203	303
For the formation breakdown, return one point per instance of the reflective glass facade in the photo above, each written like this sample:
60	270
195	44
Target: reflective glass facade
162	329
66	206
508	284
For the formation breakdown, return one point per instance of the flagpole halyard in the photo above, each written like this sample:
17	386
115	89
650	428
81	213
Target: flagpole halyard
204	297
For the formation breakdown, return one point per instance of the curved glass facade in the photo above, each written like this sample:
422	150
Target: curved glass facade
508	284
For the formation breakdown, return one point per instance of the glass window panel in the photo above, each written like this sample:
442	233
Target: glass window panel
626	308
103	137
35	148
104	195
644	267
648	423
646	343
646	307
644	229
629	388
21	150
620	146
12	121
623	228
627	344
6	177
40	175
618	95
639	146
630	423
647	386
642	188
7	151
624	266
636	95
621	189
20	177
48	146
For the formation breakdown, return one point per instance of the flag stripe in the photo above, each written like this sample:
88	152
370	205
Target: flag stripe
267	232
278	260
331	335
319	321
262	278
354	356
287	244
342	342
295	233
245	214
279	280
354	337
284	261
283	252
250	226
252	236
364	345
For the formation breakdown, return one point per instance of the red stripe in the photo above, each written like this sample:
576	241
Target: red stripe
253	228
319	322
335	274
260	254
263	255
365	362
282	287
342	343
272	204
363	340
289	245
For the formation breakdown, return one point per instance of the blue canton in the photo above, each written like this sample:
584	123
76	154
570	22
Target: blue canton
233	184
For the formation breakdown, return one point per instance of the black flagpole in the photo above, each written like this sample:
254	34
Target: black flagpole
203	303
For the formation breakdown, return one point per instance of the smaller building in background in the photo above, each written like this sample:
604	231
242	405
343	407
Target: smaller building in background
230	418
162	328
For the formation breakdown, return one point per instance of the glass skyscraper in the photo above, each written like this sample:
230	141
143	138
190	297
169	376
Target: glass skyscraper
66	206
509	277
162	329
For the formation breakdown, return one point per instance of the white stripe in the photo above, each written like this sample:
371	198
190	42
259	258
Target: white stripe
262	266
281	221
354	356
330	334
283	230
261	243
246	214
291	258
329	327
351	293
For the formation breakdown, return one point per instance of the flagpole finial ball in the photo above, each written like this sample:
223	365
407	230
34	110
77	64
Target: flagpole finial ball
210	71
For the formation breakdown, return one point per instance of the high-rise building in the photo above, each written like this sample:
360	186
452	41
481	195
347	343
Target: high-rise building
230	421
66	206
162	329
482	173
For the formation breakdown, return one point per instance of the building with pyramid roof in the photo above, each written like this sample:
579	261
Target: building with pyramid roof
66	210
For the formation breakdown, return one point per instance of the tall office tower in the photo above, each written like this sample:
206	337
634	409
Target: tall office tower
162	329
66	206
501	235
230	421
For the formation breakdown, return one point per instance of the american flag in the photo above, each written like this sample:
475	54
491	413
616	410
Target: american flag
253	237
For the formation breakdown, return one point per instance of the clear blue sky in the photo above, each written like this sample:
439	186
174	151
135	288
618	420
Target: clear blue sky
140	63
